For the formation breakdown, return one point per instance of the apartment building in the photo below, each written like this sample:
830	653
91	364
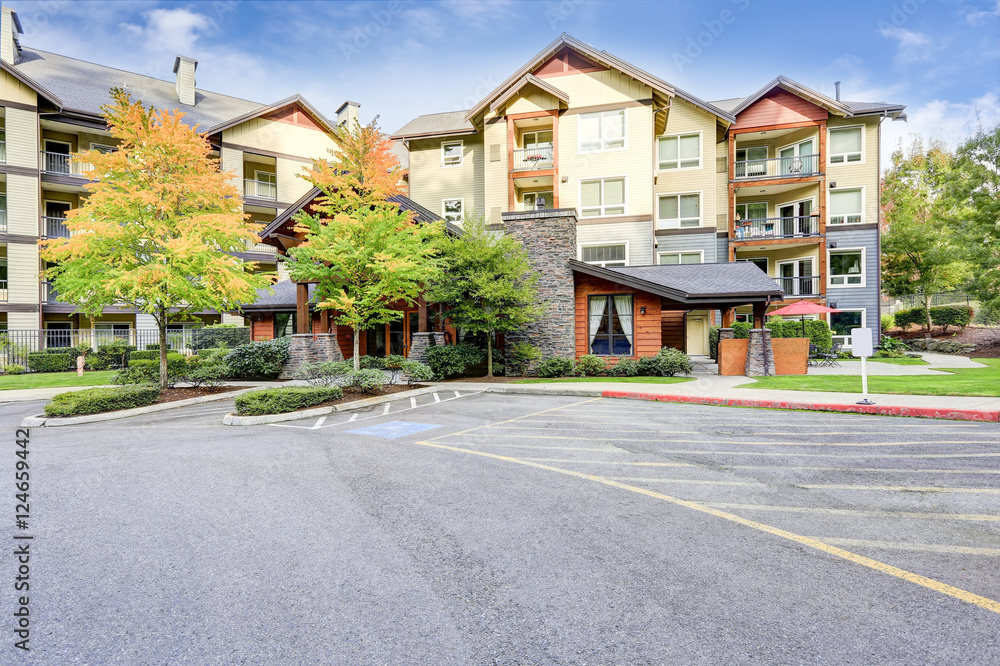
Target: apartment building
786	178
50	109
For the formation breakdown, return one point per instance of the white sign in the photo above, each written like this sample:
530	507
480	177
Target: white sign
861	342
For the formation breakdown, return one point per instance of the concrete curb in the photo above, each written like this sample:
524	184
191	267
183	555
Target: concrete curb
582	393
234	420
42	421
879	410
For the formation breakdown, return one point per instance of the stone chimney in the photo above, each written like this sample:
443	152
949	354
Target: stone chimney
10	28
184	68
347	114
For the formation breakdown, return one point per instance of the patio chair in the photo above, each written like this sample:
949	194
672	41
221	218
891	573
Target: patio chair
814	357
830	358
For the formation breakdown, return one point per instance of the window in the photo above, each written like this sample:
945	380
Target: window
668	258
451	153
453	210
751	162
266	185
679	211
680	152
842	322
537	140
602	197
759	262
111	332
845	145
798	159
796	278
847	207
609	323
602	131
751	220
531	199
3	279
751	211
284	325
101	148
847	268
605	255
3	213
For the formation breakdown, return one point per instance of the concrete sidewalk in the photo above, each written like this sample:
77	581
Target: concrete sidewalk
32	395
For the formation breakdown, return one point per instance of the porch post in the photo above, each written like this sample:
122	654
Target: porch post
303	323
422	315
758	314
728	317
324	321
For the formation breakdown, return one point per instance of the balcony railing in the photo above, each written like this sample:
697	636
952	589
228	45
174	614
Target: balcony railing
62	163
802	287
3	151
777	227
3	291
261	247
54	227
260	189
777	167
49	293
532	159
3	221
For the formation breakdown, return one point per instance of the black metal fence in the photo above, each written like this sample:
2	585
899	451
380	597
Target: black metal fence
946	298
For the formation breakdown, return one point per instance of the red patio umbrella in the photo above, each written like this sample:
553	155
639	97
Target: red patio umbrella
802	308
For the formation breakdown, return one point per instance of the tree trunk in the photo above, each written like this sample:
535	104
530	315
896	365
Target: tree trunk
161	323
489	354
927	312
357	348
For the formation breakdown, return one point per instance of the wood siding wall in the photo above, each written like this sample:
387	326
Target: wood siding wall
779	107
672	331
646	335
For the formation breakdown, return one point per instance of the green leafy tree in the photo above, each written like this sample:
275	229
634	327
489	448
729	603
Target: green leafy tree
921	251
489	285
160	228
365	255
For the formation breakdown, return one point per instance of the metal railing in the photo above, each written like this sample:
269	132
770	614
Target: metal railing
3	291
777	227
64	164
54	227
532	159
3	151
777	167
260	189
897	303
799	286
263	248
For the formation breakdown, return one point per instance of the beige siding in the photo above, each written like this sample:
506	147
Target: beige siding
21	321
232	160
684	118
864	174
290	187
596	88
12	90
22	138
636	234
495	173
430	182
22	205
531	100
22	273
280	138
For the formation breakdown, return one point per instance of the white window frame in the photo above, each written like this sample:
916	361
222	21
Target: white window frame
829	268
256	176
444	214
46	142
549	199
767	262
660	255
661	224
461	157
797	146
845	340
580	246
103	147
797	263
701	150
767	208
831	155
579	195
864	205
602	149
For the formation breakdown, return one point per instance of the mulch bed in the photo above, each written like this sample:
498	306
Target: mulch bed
175	394
987	341
486	380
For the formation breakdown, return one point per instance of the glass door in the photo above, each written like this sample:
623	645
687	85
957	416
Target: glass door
797	159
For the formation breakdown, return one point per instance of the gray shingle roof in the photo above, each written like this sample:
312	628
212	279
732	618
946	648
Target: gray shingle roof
728	104
870	107
283	297
435	123
702	280
84	86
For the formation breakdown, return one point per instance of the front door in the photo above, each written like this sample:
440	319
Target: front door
697	335
394	337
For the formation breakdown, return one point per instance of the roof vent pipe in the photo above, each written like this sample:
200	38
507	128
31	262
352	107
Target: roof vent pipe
184	68
836	85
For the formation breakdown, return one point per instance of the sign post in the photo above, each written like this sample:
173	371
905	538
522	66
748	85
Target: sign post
861	345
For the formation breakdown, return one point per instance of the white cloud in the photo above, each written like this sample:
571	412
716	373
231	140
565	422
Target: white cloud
911	47
170	30
980	17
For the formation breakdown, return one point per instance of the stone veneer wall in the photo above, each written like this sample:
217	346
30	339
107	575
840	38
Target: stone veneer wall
760	353
422	342
310	348
550	239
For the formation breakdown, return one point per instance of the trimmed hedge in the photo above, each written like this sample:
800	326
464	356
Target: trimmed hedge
283	400
452	360
906	318
45	362
213	336
713	342
818	332
951	315
144	371
105	399
588	365
555	367
741	330
264	358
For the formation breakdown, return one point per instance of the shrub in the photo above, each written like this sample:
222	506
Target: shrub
285	399
145	371
366	381
666	363
210	376
882	353
325	373
42	362
97	363
116	353
371	363
520	355
394	364
713	342
555	367
104	399
951	315
13	369
452	360
889	344
906	318
887	321
258	359
217	335
741	330
588	365
417	372
625	367
148	355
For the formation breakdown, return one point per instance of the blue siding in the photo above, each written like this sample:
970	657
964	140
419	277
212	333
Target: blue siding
867	297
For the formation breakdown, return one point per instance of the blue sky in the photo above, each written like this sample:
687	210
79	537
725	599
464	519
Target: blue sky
401	59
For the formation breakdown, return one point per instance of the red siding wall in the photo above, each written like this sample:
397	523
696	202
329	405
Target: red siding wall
646	335
779	107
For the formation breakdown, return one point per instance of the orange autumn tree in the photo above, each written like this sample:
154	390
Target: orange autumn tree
160	228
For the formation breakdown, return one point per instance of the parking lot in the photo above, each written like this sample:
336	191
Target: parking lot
519	529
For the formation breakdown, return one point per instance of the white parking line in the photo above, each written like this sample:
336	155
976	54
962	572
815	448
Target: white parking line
437	398
321	423
900	545
386	410
413	403
855	512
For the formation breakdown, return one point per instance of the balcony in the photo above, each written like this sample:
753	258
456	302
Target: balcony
49	293
532	159
3	151
798	166
3	291
61	163
776	227
260	189
3	221
799	287
261	248
54	227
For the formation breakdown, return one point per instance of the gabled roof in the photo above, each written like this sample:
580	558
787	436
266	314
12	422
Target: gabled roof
600	57
26	80
819	99
435	124
271	108
529	79
726	283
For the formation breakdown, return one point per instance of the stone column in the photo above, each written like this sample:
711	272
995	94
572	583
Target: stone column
310	348
760	354
421	342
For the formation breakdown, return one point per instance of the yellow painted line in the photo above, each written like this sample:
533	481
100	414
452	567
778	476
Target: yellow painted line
916	489
866	469
909	576
856	512
470	433
921	547
821	455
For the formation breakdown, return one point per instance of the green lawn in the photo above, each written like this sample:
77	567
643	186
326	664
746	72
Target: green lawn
961	381
55	380
615	380
908	360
